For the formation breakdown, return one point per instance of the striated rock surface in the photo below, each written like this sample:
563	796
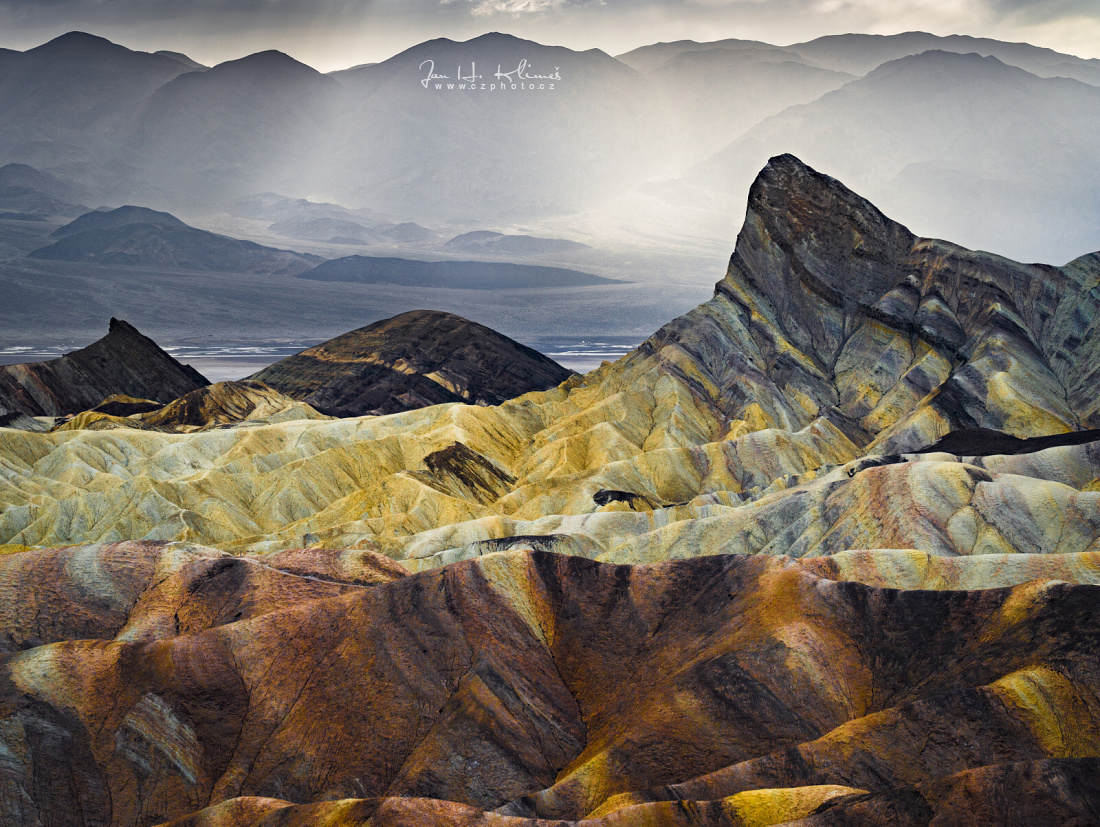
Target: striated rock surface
778	417
413	360
717	691
122	362
796	559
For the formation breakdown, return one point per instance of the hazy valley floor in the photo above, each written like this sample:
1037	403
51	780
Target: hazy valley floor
187	308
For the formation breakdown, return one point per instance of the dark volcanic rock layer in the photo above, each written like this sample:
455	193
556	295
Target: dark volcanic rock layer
122	362
416	359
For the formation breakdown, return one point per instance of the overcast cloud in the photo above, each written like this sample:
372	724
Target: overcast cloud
333	34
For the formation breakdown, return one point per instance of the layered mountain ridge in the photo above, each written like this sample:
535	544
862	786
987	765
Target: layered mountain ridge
141	237
711	584
718	691
613	139
837	343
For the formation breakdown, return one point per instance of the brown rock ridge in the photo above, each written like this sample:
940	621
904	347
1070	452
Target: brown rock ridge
416	359
151	590
1051	791
710	691
122	362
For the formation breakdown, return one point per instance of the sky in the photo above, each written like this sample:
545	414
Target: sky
336	34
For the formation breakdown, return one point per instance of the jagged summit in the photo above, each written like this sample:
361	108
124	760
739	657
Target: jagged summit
122	362
840	239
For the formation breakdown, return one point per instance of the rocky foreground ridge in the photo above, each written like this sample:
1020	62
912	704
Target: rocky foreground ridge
308	688
710	584
220	405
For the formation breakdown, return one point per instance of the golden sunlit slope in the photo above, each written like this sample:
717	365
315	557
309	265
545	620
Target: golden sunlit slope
774	418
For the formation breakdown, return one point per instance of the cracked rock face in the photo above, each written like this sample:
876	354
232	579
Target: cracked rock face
713	583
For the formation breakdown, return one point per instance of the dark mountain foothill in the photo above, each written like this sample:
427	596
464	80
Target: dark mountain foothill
411	361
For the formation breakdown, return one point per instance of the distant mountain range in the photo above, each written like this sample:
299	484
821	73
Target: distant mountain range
160	129
1017	152
24	189
485	241
462	275
140	237
860	53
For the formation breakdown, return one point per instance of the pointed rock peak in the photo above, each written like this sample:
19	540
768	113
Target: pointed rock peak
799	207
121	333
120	327
816	250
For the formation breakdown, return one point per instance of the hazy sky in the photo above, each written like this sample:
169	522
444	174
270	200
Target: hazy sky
334	34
